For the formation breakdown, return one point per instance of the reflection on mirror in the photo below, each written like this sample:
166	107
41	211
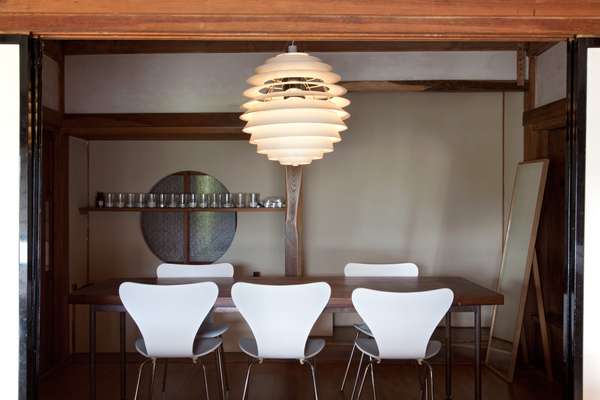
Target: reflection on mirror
515	269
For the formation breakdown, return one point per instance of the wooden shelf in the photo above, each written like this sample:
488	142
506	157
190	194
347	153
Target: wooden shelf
85	210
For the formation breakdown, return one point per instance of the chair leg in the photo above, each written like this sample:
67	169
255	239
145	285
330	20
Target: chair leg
152	378
362	355
313	370
373	379
429	378
362	381
139	378
220	372
349	362
205	379
247	380
164	382
224	364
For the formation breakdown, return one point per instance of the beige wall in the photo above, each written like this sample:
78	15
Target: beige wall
418	176
551	75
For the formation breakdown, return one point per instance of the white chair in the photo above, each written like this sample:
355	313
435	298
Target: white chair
402	325
372	271
168	317
209	328
281	318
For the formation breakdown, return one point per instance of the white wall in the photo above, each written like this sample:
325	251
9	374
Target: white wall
14	252
591	256
551	75
215	82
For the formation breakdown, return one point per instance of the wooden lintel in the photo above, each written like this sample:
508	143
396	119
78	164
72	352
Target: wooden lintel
78	47
433	86
163	126
549	116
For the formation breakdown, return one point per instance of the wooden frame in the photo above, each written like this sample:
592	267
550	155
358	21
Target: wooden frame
531	267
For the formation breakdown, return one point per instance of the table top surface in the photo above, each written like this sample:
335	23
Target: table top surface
466	293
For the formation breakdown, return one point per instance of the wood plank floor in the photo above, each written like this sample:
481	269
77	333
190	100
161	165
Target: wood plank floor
287	380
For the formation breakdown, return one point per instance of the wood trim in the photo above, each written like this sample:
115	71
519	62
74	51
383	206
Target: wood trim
294	263
549	116
167	126
79	47
433	86
52	118
365	25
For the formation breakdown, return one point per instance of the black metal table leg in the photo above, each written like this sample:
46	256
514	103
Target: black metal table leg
477	317
449	355
92	350
123	355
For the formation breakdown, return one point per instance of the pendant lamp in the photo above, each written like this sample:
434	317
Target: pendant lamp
296	112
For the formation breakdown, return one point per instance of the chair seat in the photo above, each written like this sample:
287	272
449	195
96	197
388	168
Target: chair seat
364	329
201	347
313	347
209	329
369	347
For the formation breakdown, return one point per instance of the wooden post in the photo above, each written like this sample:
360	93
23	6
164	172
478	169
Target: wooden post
293	222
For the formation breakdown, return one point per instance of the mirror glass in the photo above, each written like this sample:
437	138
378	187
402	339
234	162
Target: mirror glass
515	267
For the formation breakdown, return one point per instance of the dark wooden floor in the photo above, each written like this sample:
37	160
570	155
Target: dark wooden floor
288	380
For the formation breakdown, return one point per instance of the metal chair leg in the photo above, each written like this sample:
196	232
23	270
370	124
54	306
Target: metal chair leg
314	377
430	372
224	364
362	381
220	372
373	379
349	362
362	355
152	378
247	380
205	379
164	382
139	378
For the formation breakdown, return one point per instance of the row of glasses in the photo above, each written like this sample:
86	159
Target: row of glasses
182	200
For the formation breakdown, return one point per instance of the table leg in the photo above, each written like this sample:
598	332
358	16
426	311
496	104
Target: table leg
123	355
92	350
449	355
477	317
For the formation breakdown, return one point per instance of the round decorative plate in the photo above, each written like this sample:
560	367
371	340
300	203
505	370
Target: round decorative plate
184	236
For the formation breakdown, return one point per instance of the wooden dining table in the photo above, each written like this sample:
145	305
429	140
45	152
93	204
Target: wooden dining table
103	296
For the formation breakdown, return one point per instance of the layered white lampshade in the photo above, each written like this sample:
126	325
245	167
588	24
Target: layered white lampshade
295	114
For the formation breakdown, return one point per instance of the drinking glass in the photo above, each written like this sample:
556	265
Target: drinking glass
227	200
192	200
162	200
202	200
130	200
239	199
141	200
110	200
151	200
182	200
120	200
254	200
215	200
173	197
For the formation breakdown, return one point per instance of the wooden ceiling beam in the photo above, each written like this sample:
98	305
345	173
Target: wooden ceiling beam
433	86
159	126
78	47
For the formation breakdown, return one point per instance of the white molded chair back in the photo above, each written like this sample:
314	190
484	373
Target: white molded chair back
383	270
281	316
168	316
223	270
402	323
